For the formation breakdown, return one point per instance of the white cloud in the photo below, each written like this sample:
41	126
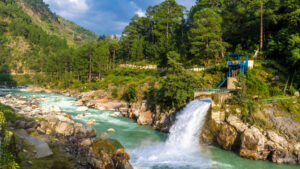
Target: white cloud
69	8
140	13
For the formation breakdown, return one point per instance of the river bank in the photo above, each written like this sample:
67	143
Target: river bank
48	131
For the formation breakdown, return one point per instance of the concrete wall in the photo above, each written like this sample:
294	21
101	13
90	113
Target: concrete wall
230	82
250	64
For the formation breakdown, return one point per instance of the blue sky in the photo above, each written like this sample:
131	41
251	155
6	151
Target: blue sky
104	16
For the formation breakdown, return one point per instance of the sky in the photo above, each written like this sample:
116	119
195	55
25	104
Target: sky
104	16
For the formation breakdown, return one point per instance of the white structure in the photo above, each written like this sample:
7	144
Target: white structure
250	64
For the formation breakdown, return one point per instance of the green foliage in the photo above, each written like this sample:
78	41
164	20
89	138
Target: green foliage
114	93
130	94
176	89
289	109
205	35
242	99
7	156
256	87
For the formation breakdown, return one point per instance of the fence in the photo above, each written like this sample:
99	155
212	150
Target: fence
269	101
214	90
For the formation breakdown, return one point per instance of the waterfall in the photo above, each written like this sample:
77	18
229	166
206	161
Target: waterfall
181	149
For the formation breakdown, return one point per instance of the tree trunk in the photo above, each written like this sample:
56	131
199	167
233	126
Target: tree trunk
167	31
90	71
261	25
113	59
222	48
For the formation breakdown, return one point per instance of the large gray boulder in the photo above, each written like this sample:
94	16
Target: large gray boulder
237	123
145	118
84	131
64	128
227	136
253	144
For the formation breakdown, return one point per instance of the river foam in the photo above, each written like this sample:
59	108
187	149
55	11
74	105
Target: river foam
181	149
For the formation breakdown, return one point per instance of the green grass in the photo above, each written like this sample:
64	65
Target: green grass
289	109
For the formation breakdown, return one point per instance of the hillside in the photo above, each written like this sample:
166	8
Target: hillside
30	33
54	24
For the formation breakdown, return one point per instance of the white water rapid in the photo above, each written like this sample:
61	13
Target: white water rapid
181	150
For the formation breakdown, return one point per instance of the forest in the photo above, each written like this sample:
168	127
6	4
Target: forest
201	36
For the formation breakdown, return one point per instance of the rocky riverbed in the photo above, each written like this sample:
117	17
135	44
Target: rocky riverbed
102	100
40	127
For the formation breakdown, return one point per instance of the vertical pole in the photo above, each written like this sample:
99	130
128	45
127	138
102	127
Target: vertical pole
261	24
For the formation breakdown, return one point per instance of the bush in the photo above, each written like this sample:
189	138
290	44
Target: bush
7	152
256	86
176	92
130	94
292	90
114	93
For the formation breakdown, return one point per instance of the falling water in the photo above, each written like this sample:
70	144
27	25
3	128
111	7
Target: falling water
181	149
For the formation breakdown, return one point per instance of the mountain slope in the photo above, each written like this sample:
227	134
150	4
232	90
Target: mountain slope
54	24
30	34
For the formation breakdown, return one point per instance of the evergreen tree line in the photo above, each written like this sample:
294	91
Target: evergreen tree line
201	36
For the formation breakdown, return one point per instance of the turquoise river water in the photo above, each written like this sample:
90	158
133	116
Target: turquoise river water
150	149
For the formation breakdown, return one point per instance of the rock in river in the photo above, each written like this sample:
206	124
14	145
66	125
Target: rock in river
82	109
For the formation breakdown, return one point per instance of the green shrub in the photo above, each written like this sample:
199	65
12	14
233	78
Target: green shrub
130	94
292	90
256	86
114	93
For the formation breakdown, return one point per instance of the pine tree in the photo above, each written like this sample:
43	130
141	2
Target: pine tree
206	34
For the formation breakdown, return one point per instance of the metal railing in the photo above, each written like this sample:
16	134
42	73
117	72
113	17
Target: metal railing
213	90
269	101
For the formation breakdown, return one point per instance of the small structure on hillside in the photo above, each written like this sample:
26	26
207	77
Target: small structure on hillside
237	64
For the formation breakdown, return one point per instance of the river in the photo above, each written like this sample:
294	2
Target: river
150	149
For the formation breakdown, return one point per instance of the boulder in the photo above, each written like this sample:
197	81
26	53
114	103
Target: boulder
111	130
27	109
108	154
40	147
227	136
99	107
237	123
145	118
8	96
84	131
31	124
278	140
297	151
252	144
91	121
82	109
86	142
64	128
21	124
282	156
52	108
115	114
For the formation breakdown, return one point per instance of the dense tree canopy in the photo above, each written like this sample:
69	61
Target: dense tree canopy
201	37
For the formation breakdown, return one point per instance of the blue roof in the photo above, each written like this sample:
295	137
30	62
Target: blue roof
235	55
